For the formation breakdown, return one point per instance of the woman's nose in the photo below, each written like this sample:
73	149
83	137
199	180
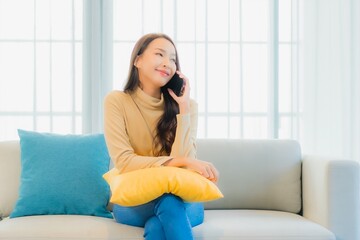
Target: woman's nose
166	62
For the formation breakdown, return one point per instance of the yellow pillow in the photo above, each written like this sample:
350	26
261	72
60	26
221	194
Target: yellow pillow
144	185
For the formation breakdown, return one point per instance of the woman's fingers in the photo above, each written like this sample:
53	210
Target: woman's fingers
184	99
172	94
186	86
214	174
206	169
210	172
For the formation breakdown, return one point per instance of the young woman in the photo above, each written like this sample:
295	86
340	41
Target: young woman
148	125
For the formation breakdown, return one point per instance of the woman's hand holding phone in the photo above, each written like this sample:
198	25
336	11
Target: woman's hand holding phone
184	99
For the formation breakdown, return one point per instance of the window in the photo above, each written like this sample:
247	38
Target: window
229	50
40	66
240	55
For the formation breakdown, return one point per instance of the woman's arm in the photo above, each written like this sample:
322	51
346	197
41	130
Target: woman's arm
207	169
184	147
185	138
117	139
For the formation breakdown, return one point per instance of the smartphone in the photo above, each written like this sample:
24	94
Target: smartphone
176	84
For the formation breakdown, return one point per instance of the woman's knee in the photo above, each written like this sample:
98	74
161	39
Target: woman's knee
134	216
170	202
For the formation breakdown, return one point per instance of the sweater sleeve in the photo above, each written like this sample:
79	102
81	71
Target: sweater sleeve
185	138
117	140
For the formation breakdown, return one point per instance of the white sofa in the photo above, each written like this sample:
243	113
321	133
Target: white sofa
271	191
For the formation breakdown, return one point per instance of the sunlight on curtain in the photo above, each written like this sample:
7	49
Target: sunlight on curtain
330	72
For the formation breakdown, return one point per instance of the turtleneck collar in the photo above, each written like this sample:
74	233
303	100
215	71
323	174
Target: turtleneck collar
148	101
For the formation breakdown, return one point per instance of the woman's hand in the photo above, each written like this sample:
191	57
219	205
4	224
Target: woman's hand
206	169
184	99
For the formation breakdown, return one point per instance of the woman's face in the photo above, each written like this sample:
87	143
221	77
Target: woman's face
157	64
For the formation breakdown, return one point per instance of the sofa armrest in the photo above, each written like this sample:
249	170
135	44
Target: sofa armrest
331	195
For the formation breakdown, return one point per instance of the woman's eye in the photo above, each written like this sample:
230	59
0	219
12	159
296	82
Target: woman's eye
159	54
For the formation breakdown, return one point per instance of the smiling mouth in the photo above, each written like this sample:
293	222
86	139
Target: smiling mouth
163	73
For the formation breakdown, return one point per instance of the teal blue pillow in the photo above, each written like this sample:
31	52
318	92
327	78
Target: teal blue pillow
62	174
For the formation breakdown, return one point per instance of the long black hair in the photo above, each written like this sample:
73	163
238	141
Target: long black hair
166	126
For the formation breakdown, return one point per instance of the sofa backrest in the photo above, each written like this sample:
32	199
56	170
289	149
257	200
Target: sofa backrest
10	168
255	174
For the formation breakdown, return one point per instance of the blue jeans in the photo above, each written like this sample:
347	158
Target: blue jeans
166	217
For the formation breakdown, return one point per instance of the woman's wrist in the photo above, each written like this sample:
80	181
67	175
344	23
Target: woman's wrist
176	162
184	108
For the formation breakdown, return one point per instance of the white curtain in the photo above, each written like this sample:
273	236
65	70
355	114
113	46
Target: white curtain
329	70
97	63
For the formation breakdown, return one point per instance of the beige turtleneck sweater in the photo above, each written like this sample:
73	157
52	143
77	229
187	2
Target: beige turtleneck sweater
130	122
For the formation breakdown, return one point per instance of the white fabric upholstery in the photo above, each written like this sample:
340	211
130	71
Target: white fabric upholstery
331	195
255	174
219	224
60	227
259	225
9	176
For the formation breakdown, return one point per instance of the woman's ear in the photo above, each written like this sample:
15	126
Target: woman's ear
136	61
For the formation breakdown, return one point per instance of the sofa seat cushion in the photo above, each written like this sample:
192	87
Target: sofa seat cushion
61	227
218	224
259	225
